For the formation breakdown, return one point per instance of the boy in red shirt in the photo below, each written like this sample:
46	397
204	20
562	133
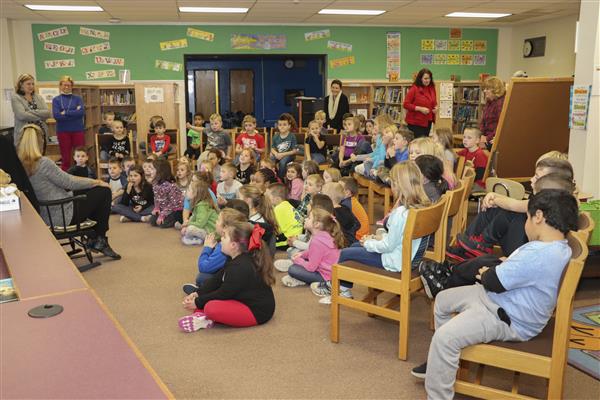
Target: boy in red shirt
249	138
160	143
472	151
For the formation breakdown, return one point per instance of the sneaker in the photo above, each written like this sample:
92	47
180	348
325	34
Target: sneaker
177	225
474	244
290	281
192	241
420	371
123	218
189	288
434	276
457	254
321	289
346	292
325	300
145	218
194	322
282	265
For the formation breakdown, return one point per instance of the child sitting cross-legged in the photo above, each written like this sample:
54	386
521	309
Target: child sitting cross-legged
288	225
343	214
312	185
261	211
326	240
240	294
386	251
203	218
332	175
228	188
183	174
168	199
294	182
263	178
512	302
81	167
137	201
117	180
245	168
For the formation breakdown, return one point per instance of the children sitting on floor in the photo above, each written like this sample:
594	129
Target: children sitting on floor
240	294
312	185
514	301
214	159
263	178
228	188
81	167
137	201
183	175
128	163
168	199
294	182
288	224
203	218
194	138
284	146
148	167
250	139
309	167
350	200
117	180
472	152
331	175
245	168
343	214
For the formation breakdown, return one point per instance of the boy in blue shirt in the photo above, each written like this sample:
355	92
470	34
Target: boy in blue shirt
512	302
285	146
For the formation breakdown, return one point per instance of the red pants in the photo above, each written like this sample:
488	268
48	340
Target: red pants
68	141
229	312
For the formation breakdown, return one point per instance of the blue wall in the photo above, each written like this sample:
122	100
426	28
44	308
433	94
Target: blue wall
271	79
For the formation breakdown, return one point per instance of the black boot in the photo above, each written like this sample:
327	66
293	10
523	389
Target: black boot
101	246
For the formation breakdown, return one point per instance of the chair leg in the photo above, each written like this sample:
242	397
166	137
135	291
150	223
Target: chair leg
335	308
463	370
404	327
88	253
386	204
371	205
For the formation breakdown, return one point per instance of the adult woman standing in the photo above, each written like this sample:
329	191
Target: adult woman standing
493	91
50	183
336	105
421	104
68	111
28	107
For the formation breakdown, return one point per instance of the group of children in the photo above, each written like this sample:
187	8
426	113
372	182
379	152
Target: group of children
245	208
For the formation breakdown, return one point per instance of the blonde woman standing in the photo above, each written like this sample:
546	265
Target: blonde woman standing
68	111
28	107
494	91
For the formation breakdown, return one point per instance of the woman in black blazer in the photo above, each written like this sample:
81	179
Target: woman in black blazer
336	105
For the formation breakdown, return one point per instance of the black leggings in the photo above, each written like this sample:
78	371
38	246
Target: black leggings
498	226
95	207
420	131
463	274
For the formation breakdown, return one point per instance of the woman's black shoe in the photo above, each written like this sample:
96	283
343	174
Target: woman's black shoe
101	246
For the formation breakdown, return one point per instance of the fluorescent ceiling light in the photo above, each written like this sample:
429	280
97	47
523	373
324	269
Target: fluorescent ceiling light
477	15
41	7
333	11
228	10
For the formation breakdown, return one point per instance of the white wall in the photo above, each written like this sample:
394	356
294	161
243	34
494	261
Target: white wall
504	64
559	59
6	74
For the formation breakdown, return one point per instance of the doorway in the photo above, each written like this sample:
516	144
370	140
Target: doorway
207	91
241	91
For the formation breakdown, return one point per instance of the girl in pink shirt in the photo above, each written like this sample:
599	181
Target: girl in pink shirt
314	264
293	179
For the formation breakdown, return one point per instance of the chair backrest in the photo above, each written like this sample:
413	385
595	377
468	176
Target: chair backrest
332	131
454	209
460	166
441	240
467	181
421	222
332	140
585	225
507	187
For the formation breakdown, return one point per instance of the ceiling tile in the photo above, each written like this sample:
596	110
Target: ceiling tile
369	5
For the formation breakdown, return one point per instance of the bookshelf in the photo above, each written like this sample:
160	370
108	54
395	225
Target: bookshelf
388	99
467	104
360	98
120	99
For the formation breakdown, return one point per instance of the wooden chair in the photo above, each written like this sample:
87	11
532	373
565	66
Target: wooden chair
544	356
382	190
506	187
363	186
455	198
420	223
331	140
261	131
467	181
103	140
460	166
174	136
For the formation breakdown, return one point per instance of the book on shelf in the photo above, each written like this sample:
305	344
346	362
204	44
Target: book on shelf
7	291
364	98
115	98
352	98
395	95
380	94
362	111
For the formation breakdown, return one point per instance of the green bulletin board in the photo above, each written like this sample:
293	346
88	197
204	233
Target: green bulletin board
138	47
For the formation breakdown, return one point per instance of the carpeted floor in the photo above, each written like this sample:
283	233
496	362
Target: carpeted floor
289	357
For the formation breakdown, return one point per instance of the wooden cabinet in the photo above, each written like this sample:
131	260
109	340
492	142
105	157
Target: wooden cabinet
120	99
156	99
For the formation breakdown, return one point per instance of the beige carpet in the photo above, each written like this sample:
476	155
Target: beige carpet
289	357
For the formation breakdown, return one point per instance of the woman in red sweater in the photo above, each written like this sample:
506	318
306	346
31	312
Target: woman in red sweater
421	104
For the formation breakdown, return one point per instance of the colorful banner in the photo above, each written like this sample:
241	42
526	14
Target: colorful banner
250	41
83	31
202	35
342	62
173	44
332	44
59	48
455	33
579	106
466	59
480	45
427	44
440	59
106	73
426	59
54	33
454	45
479	59
393	56
68	63
315	35
453	59
109	60
95	48
441	45
168	65
466	45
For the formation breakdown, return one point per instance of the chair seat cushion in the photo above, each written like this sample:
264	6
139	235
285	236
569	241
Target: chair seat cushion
87	224
540	345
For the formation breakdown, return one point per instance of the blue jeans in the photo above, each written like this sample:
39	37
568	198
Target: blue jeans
128	212
298	272
202	277
358	253
282	165
318	158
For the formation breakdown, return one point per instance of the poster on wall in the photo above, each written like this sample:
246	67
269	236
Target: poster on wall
466	45
67	63
579	106
105	73
455	33
392	63
440	59
54	33
154	95
59	48
173	44
479	59
251	41
168	65
109	60
342	62
441	45
271	42
454	45
332	44
426	59
48	93
466	59
427	44
95	33
95	48
480	45
315	35
453	59
199	34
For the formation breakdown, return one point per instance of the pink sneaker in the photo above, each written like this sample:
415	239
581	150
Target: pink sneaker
194	322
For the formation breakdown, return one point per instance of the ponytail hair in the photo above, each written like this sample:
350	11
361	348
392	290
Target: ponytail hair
330	225
432	168
261	204
241	233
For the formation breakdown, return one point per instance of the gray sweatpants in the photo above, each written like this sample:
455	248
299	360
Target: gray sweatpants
477	322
